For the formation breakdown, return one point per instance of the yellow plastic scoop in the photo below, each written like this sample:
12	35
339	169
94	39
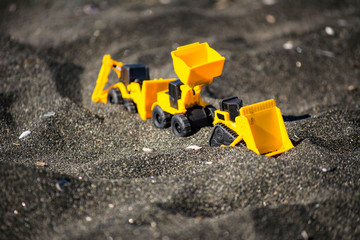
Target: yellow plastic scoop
197	64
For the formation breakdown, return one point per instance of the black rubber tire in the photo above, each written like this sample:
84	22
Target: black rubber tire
160	118
180	125
210	110
130	106
114	96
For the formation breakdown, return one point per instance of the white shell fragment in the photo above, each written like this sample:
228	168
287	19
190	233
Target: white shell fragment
193	147
25	134
328	53
148	150
49	114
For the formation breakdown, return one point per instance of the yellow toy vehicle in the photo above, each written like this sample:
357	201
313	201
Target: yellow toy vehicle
181	105
260	125
167	101
134	90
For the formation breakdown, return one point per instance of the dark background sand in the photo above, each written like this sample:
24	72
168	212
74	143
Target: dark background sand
82	174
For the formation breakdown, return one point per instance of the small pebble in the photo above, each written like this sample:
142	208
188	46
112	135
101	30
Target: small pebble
329	31
41	164
299	49
164	1
89	9
61	183
342	22
298	64
148	12
25	134
270	19
97	33
193	147
88	219
12	8
221	4
269	2
328	169
148	150
288	45
208	163
304	235
351	88
131	220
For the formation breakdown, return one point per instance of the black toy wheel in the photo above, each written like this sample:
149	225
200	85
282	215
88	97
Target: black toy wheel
210	110
130	106
180	125
114	96
160	118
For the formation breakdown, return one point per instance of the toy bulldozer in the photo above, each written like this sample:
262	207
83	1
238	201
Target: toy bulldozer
260	126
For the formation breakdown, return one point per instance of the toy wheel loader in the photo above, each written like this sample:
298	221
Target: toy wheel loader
180	106
259	125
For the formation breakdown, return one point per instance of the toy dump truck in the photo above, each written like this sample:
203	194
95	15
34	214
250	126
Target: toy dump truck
260	126
181	105
169	102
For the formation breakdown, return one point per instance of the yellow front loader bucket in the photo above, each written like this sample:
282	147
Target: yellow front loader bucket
197	64
262	128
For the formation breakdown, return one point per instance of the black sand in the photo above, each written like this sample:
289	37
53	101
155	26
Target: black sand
82	173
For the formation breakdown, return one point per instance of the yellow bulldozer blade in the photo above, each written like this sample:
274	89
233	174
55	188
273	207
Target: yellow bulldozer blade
262	128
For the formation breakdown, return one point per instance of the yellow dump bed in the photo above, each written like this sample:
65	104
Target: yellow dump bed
147	95
197	64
